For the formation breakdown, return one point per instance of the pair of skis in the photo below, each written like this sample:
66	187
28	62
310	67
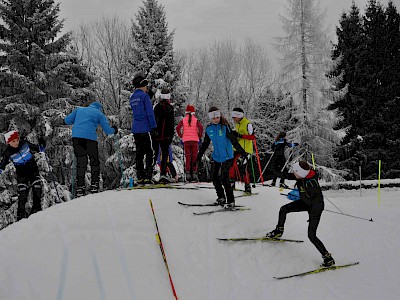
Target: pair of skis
315	271
235	208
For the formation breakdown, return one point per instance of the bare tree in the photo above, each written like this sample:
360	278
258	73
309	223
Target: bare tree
305	63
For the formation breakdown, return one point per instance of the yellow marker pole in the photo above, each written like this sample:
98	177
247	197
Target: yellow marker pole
379	183
313	161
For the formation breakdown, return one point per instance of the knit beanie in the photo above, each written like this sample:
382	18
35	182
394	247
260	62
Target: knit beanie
190	109
139	81
11	135
301	168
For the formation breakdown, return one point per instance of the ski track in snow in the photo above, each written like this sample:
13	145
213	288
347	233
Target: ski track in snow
103	246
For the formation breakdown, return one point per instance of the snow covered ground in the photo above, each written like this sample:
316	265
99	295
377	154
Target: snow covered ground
103	247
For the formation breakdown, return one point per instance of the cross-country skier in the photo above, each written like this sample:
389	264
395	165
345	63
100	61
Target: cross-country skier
144	129
278	159
311	200
244	129
20	153
222	138
190	130
164	114
85	121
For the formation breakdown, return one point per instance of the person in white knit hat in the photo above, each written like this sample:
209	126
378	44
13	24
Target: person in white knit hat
311	200
20	153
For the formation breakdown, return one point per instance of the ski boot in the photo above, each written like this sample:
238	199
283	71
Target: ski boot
188	177
276	233
195	178
220	201
80	191
247	188
229	206
283	186
94	188
328	261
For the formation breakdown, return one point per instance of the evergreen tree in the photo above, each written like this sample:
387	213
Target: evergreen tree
368	55
36	71
153	46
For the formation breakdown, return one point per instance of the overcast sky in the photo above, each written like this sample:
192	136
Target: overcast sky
200	22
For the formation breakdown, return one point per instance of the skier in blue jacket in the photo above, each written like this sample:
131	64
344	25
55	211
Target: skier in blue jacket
144	129
85	121
20	153
222	138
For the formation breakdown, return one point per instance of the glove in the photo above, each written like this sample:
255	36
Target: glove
248	137
115	129
154	132
42	144
1	171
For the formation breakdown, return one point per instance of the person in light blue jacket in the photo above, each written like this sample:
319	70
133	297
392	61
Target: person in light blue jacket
222	138
85	121
144	129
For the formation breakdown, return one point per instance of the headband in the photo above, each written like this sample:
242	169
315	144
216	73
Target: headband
165	96
214	114
237	114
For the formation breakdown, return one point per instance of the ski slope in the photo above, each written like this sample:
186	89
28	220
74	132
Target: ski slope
103	246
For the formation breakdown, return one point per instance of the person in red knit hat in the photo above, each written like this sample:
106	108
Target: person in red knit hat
20	153
190	130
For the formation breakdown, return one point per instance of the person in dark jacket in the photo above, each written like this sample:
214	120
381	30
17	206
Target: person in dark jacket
311	200
144	129
278	159
85	121
20	153
222	138
164	114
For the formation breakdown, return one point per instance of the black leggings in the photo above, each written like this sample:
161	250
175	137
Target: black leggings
220	177
314	213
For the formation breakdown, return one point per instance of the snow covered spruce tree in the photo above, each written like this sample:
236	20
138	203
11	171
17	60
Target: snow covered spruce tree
368	54
39	82
305	62
153	53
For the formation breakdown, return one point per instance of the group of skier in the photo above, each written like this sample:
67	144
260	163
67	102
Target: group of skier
153	129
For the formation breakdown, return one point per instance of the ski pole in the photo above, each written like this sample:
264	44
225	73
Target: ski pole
258	160
73	176
120	160
252	168
266	166
159	241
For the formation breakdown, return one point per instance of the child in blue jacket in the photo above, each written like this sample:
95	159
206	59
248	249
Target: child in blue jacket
85	121
222	138
20	153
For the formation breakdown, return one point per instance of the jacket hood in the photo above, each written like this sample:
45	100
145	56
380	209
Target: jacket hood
97	105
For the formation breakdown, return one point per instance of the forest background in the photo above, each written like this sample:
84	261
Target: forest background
338	100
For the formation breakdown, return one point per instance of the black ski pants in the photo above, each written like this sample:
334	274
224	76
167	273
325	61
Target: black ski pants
25	183
84	149
220	179
144	148
164	146
277	164
314	214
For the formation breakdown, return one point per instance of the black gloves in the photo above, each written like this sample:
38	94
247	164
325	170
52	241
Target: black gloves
115	129
154	132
